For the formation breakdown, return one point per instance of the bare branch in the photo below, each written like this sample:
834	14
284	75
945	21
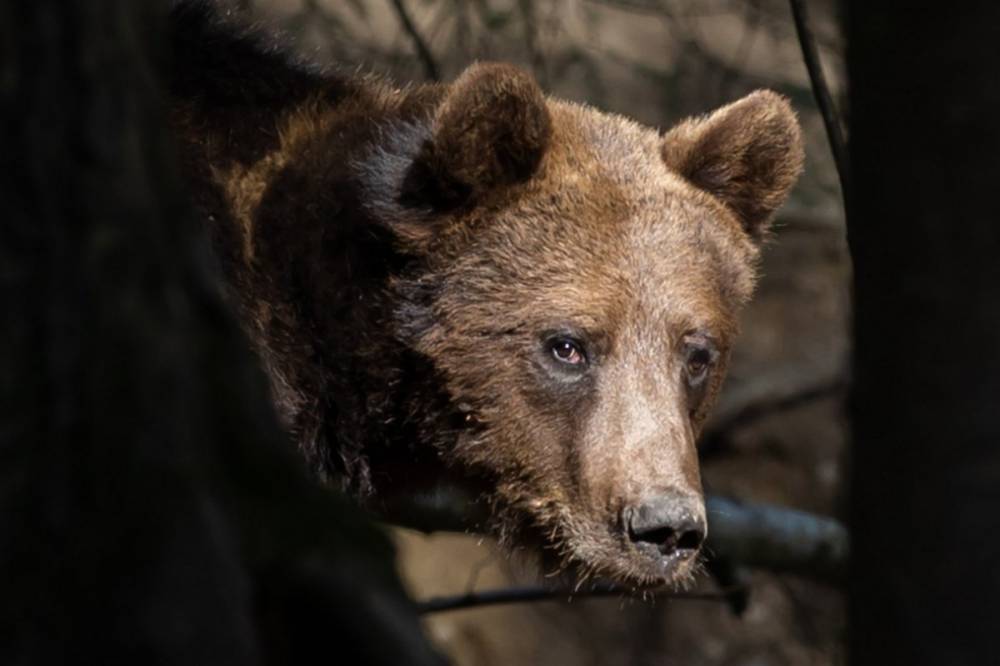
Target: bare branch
764	536
821	92
519	595
423	52
778	539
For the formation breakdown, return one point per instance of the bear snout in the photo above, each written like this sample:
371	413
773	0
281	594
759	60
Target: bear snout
670	525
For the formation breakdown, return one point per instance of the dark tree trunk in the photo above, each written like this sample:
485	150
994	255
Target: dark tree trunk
150	511
925	237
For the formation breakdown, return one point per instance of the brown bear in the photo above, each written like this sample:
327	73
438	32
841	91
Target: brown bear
476	283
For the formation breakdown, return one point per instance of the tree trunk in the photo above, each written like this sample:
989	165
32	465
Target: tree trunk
925	238
150	511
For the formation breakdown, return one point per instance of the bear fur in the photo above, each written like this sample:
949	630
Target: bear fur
476	283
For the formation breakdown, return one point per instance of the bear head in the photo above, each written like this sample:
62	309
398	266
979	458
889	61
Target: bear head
577	282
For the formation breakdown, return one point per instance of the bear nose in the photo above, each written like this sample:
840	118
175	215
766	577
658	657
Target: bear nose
670	523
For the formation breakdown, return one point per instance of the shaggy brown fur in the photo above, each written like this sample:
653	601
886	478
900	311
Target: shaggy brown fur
410	264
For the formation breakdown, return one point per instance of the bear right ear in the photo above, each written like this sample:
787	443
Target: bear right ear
490	130
747	154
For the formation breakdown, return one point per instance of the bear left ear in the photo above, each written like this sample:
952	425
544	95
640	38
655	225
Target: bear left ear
747	154
491	129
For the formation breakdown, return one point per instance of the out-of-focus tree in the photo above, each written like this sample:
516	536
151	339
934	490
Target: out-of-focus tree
925	239
150	510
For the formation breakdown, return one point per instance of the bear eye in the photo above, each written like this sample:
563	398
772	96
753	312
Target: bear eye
698	361
568	351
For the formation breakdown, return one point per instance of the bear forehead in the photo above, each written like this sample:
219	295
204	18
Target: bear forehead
605	231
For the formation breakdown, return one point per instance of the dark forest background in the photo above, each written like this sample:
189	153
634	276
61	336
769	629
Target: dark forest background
149	511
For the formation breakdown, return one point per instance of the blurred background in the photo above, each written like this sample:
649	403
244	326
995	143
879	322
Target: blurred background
778	434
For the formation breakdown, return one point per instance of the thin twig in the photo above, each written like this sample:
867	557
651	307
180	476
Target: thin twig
748	36
529	19
423	52
821	91
519	595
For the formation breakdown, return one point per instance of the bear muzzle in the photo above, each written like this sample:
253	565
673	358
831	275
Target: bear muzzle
668	528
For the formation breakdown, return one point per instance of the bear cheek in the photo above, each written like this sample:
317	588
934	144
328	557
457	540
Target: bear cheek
701	404
540	436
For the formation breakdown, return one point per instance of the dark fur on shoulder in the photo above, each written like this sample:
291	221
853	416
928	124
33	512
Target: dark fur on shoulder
479	283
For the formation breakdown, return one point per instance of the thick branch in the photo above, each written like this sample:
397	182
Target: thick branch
757	535
777	538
